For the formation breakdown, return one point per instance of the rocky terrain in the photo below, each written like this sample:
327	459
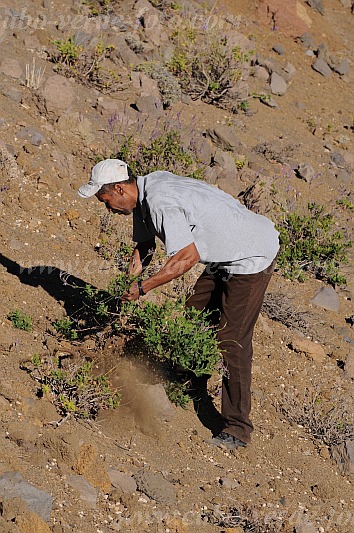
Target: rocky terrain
281	136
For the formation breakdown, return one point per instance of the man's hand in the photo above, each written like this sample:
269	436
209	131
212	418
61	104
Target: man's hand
132	294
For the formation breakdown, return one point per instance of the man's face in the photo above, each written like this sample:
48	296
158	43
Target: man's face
118	200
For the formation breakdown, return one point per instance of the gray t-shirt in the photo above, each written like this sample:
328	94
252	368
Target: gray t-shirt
181	211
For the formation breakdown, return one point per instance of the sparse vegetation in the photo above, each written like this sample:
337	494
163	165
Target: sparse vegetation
329	419
20	320
312	243
206	65
87	65
98	7
65	327
167	83
165	150
34	75
72	386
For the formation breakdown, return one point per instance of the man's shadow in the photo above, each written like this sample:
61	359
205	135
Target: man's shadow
70	290
59	284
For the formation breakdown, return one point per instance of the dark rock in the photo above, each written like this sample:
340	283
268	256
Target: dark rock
272	65
338	160
321	67
148	105
279	49
155	486
289	71
122	481
32	135
230	183
203	149
82	39
306	172
327	298
277	84
317	5
307	40
343	68
226	161
224	137
14	485
87	492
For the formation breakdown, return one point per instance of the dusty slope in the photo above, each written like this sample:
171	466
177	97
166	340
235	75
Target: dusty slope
285	478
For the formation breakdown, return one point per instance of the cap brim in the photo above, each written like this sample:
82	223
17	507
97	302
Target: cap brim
88	190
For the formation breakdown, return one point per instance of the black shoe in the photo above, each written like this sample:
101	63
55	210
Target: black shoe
228	441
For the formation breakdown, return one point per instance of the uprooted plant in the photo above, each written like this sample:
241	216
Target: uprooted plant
173	333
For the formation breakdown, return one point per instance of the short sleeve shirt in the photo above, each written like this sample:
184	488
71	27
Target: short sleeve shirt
180	211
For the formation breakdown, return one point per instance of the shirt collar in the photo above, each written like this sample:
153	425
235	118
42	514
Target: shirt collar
140	182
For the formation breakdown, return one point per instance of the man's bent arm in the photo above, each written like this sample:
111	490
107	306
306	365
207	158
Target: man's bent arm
177	265
141	257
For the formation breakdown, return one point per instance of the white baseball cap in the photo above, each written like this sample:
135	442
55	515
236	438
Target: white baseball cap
107	171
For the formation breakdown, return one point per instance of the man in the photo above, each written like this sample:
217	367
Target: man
199	223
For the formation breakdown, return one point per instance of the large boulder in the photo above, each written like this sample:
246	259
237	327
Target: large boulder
58	95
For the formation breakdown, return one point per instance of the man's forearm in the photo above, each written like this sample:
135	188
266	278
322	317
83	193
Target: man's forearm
175	267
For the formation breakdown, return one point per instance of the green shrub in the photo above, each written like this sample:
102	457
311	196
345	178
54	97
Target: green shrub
181	335
164	151
20	320
72	385
86	65
312	243
178	393
65	326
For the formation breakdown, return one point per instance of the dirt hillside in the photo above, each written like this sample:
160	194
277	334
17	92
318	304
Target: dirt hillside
281	137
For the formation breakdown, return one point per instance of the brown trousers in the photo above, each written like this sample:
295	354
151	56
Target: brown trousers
238	298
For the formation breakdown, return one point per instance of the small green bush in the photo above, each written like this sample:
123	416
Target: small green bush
178	393
312	243
65	326
73	387
181	335
165	151
20	320
86	65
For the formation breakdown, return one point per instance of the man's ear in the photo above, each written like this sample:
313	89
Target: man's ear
118	188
